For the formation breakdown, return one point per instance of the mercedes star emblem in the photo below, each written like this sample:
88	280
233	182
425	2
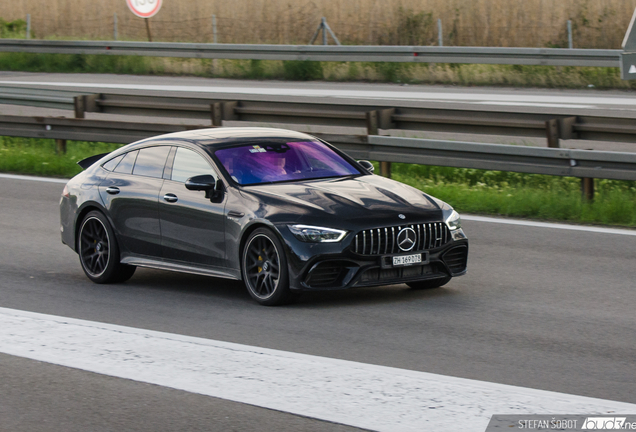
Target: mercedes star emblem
401	216
406	239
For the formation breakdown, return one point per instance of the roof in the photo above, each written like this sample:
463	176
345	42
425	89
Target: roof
225	135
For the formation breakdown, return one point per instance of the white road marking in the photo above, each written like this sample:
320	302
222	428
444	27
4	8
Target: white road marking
357	394
464	216
411	94
549	225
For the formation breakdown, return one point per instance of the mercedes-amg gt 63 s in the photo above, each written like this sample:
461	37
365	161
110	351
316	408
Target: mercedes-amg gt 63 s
282	211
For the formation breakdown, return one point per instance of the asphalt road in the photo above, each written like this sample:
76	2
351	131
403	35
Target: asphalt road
587	101
542	308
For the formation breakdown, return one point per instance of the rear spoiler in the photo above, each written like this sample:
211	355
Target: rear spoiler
85	163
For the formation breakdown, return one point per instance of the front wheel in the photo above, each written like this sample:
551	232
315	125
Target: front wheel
429	284
98	251
264	268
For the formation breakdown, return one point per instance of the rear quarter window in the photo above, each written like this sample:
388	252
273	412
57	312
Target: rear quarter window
151	161
127	163
112	164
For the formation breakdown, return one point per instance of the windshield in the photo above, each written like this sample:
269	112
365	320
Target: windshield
283	161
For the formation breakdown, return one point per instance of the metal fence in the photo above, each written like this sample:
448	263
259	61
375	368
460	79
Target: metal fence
535	160
404	54
552	126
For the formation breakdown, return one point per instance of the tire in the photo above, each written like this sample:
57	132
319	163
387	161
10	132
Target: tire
429	284
98	251
264	268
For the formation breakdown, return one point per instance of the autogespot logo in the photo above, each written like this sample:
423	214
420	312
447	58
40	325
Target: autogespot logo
406	239
603	423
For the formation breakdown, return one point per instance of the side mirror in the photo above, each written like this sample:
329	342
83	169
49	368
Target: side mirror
367	166
204	182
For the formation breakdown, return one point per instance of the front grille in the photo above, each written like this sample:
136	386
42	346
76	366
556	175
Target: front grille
382	241
456	259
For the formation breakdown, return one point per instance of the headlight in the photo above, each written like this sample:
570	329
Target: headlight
314	234
454	222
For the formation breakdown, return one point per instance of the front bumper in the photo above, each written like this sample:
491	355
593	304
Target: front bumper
333	266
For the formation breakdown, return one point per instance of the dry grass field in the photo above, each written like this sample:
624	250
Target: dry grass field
531	23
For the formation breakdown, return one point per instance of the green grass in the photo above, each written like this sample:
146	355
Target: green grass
523	195
468	190
38	156
79	63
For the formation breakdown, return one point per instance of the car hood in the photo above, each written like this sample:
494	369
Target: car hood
371	199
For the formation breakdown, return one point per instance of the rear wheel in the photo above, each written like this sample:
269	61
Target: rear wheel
264	267
98	251
429	284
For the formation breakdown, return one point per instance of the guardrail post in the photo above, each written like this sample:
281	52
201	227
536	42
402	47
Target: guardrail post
566	128
90	103
115	26
385	169
85	103
385	118
220	111
570	43
60	146
228	110
79	104
587	188
552	132
28	29
373	123
216	111
440	39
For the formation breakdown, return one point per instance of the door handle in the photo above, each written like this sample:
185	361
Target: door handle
112	190
171	198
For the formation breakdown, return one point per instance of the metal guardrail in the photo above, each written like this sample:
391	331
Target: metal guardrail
404	54
39	97
532	160
59	128
374	118
535	160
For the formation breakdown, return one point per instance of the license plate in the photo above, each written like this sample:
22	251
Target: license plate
406	260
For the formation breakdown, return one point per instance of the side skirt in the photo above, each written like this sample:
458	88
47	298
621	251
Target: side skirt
163	265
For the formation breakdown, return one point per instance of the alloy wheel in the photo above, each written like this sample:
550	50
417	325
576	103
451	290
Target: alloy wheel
262	265
94	246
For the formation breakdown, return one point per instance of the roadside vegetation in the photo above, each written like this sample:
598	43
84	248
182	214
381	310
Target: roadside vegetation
523	195
468	190
503	23
35	156
401	73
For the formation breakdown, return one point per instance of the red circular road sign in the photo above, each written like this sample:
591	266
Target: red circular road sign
144	8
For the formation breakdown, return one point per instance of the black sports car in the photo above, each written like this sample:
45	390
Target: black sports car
283	211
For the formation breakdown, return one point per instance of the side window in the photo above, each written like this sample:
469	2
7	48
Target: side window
111	164
189	164
127	163
151	161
